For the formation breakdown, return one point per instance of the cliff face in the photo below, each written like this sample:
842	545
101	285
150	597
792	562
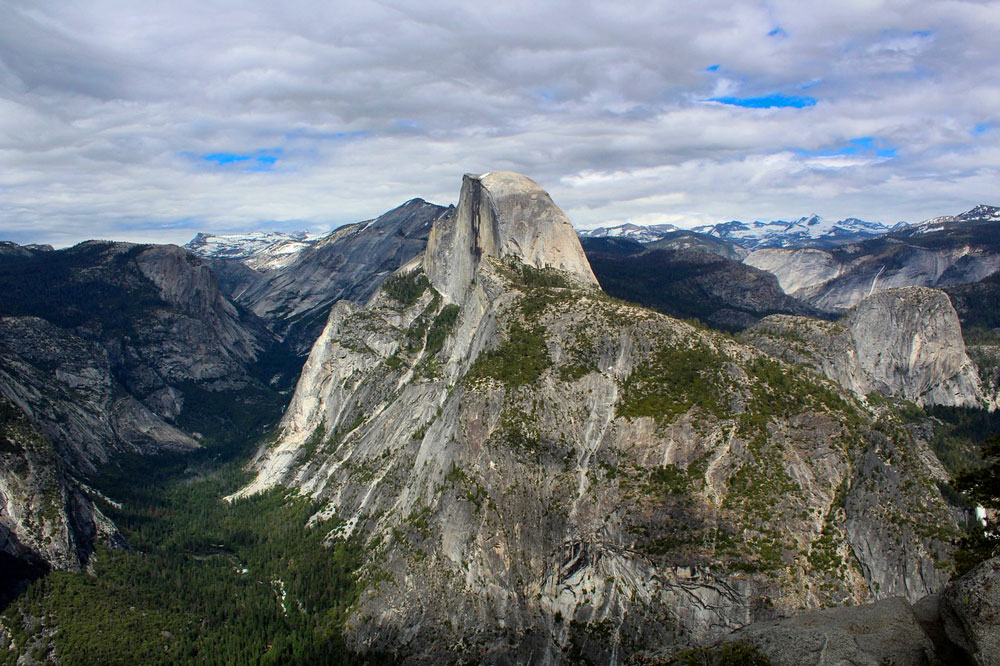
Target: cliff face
541	472
46	516
501	214
906	343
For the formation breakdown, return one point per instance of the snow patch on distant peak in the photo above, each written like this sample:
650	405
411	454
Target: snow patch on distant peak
260	250
981	213
636	232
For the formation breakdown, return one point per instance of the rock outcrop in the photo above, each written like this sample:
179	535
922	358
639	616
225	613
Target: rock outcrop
886	632
904	343
47	518
540	471
970	610
958	627
501	214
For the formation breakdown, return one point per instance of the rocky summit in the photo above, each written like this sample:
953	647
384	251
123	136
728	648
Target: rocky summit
542	474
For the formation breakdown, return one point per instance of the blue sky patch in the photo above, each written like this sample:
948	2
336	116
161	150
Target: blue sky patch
225	158
981	128
712	68
778	31
768	101
862	145
260	160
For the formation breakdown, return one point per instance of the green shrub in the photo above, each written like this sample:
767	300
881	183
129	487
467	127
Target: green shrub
672	380
406	288
519	360
441	328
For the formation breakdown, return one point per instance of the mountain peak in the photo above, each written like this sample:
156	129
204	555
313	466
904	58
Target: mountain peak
501	214
981	212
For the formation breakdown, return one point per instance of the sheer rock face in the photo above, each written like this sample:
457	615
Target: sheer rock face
538	470
970	609
909	341
502	214
905	343
46	517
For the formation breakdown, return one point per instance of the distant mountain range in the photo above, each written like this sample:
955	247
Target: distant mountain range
981	213
811	231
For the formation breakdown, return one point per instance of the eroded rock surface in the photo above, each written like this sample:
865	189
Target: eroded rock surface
970	608
958	627
886	632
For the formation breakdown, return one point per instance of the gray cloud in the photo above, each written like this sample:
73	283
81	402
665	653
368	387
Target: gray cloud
108	109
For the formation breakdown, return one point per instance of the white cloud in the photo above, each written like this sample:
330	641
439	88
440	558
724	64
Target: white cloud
106	105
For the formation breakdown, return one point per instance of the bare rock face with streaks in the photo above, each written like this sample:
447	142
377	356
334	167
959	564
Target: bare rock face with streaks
542	473
905	343
502	214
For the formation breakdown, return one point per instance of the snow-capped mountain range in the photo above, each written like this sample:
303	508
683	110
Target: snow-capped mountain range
813	231
981	213
260	250
642	234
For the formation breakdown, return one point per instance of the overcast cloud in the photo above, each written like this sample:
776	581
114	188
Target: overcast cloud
151	121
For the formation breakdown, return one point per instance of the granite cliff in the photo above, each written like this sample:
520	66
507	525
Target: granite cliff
541	473
903	343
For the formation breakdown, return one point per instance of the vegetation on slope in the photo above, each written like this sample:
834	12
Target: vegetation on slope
208	582
406	288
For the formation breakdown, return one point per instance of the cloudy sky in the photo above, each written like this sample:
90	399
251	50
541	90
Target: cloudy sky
151	121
